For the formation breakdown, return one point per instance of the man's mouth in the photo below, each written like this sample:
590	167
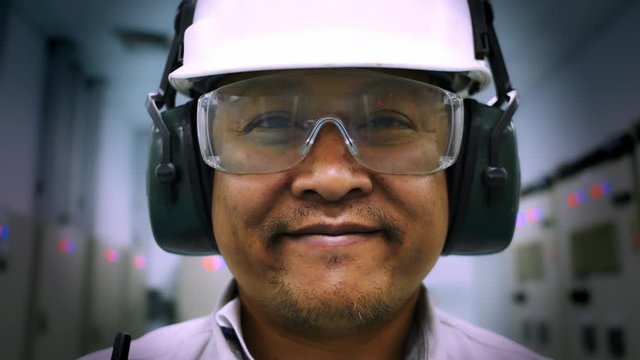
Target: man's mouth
333	235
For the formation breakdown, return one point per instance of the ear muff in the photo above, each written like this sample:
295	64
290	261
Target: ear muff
483	196
482	206
180	202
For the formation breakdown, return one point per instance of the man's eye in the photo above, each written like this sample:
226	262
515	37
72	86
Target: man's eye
389	120
274	120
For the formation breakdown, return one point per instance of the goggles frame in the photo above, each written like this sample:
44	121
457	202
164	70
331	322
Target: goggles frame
424	98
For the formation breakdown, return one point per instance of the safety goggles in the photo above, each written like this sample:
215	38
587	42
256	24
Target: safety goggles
389	124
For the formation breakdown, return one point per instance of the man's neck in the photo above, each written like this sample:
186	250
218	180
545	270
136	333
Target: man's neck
267	340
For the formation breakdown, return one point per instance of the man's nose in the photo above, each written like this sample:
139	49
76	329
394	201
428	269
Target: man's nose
329	171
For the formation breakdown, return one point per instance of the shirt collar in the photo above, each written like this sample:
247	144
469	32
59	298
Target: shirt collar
229	317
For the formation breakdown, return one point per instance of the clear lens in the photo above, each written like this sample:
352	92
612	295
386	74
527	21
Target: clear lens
390	124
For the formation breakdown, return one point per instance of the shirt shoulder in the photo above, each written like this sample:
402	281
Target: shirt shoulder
185	340
457	339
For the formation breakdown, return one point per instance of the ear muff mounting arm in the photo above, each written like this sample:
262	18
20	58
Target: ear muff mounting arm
166	95
487	46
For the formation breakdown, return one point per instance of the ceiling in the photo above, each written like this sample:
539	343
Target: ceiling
536	37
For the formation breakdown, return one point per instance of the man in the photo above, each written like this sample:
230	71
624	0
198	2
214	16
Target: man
332	127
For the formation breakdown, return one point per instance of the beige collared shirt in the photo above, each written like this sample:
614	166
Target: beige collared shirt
435	335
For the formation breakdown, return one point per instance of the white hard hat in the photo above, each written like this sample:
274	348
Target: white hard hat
232	36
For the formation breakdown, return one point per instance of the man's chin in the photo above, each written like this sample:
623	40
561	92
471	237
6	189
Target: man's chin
332	310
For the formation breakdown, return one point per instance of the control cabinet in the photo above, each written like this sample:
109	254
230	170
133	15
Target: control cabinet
599	267
200	283
535	280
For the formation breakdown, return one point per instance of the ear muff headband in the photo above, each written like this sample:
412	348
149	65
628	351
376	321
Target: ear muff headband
484	184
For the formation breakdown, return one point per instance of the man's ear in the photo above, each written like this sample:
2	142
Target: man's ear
180	205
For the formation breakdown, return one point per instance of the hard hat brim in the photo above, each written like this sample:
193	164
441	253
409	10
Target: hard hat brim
337	48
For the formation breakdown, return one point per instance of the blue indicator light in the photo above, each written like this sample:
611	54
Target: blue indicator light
66	246
581	196
606	188
4	232
521	220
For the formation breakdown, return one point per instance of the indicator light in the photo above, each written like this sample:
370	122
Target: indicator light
576	198
4	232
533	216
112	256
213	263
139	262
66	246
599	190
521	221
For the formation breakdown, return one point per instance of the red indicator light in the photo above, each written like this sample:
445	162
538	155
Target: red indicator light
596	192
576	198
572	200
213	263
600	190
112	256
139	262
66	246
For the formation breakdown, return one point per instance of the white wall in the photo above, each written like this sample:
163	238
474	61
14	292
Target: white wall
584	101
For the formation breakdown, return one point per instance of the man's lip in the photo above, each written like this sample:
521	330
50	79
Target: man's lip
333	229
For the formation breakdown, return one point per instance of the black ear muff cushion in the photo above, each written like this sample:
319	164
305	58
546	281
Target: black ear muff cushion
482	222
181	222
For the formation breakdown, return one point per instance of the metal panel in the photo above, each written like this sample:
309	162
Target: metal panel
58	313
16	248
200	283
535	282
134	308
599	267
106	294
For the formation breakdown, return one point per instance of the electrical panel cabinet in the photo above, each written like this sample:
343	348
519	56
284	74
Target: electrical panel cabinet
59	309
599	268
107	277
535	284
135	302
16	250
200	283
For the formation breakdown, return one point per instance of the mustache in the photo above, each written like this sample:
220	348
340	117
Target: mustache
277	226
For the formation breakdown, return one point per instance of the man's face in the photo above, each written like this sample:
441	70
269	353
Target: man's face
329	245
